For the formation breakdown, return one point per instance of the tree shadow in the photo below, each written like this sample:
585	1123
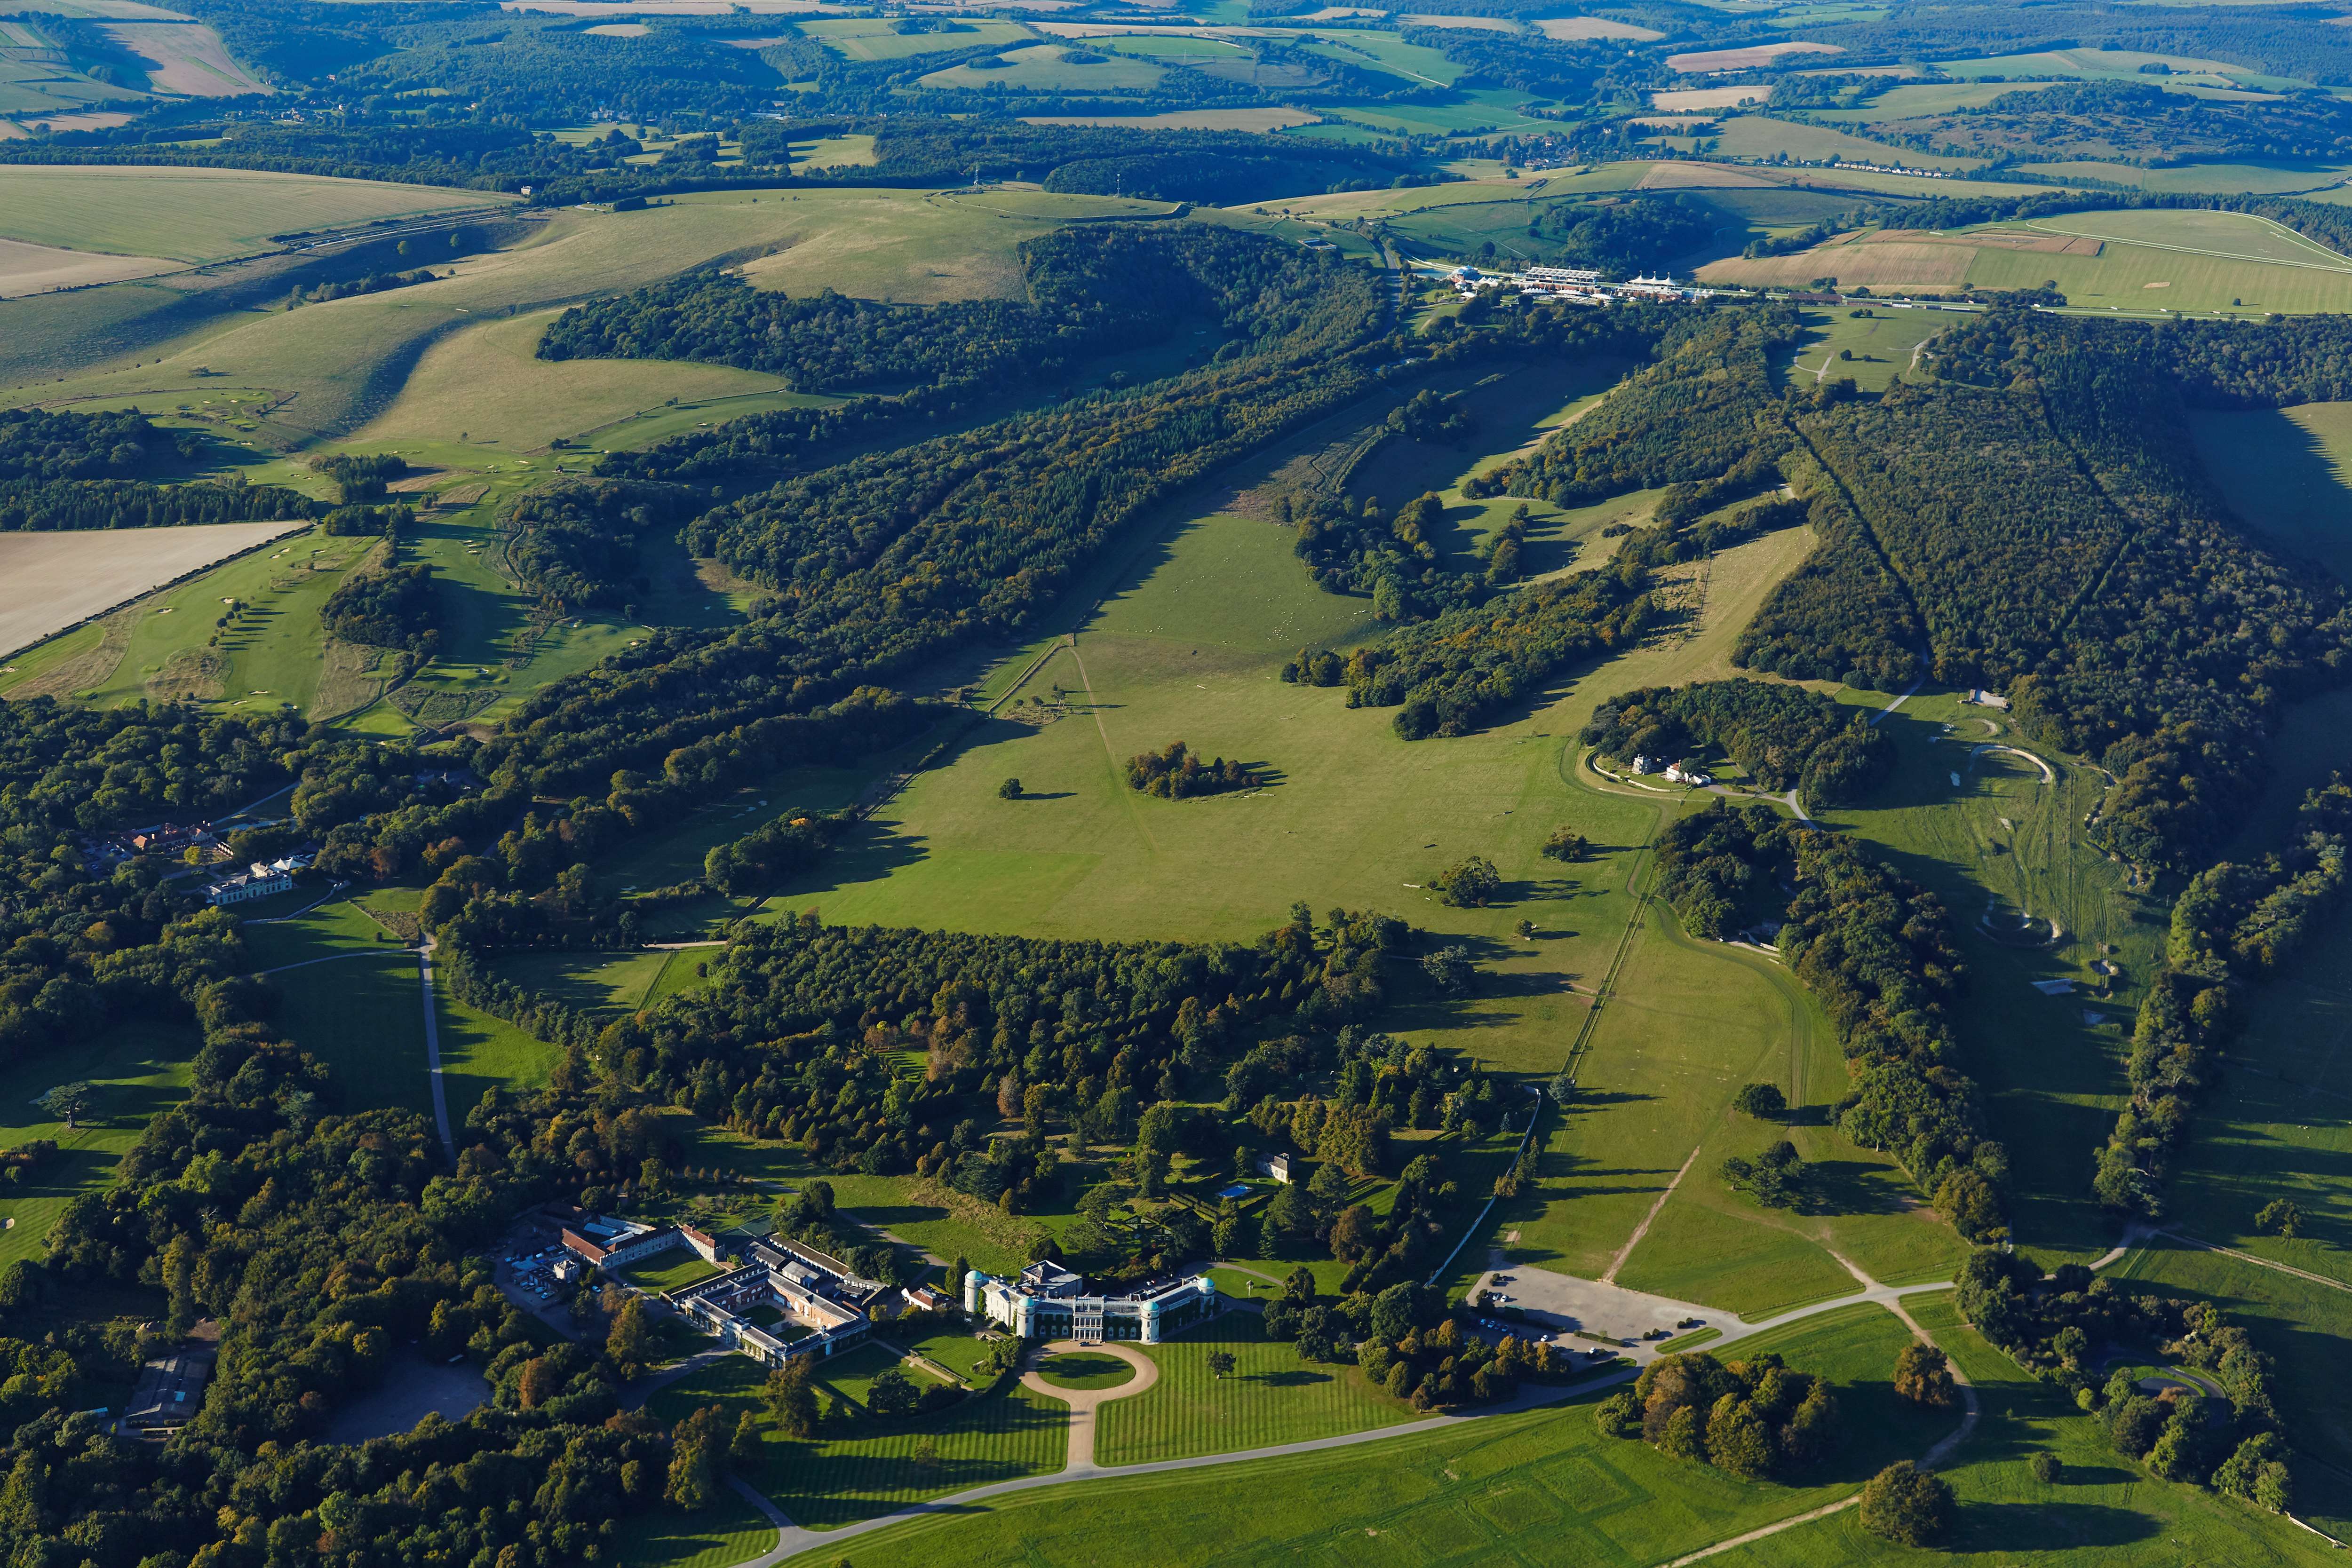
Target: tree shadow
2039	1527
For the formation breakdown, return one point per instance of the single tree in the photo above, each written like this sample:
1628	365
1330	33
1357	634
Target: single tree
1567	845
1009	790
1221	1363
1470	885
66	1101
629	1342
743	1451
1905	1504
1448	970
1762	1101
1525	929
2280	1217
1923	1374
2045	1467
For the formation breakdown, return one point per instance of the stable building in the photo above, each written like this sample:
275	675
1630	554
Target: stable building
1048	1302
817	1304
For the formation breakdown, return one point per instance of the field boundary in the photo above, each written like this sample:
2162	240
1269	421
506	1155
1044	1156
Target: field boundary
295	526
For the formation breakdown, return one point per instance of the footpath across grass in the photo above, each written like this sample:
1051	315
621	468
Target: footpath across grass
1542	1486
1270	1397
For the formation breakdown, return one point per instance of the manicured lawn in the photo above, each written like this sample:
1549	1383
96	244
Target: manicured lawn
597	982
135	1069
726	1532
668	1270
871	1467
964	1354
479	1052
1077	1369
364	1018
1271	1398
1539	1488
338	927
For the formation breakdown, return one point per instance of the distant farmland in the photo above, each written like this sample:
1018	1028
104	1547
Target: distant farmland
48	581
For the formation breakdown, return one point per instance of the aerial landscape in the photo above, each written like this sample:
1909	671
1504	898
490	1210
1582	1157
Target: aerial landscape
1529	782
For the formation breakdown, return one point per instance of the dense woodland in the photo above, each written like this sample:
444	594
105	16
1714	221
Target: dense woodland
890	556
391	606
1450	674
1091	290
1623	237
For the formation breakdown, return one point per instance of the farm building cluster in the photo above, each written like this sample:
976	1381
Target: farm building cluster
783	1300
1048	1302
1578	286
1674	772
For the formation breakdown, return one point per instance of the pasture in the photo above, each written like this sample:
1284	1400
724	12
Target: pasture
1882	346
1755	136
1047	67
2140	262
56	579
364	1018
1481	1492
328	369
198	215
1699	62
2108	64
2001	846
135	1069
2262	179
863	39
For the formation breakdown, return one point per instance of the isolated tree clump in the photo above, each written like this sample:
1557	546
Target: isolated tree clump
1923	1374
1472	883
1753	1417
1905	1504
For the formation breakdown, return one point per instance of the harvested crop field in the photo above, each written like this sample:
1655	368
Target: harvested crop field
1939	266
188	58
1573	27
1186	120
1685	99
53	581
1749	59
1700	176
36	268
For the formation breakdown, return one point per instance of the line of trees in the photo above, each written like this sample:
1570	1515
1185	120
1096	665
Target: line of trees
2234	923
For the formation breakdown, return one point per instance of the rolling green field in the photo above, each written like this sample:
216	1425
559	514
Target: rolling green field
1543	1486
1757	136
135	1070
1047	68
860	39
198	215
1271	1396
479	1052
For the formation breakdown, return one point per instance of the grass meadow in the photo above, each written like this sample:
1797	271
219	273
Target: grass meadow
135	1070
199	215
1271	1396
2101	1510
1541	1487
1883	345
1047	68
859	39
2001	844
